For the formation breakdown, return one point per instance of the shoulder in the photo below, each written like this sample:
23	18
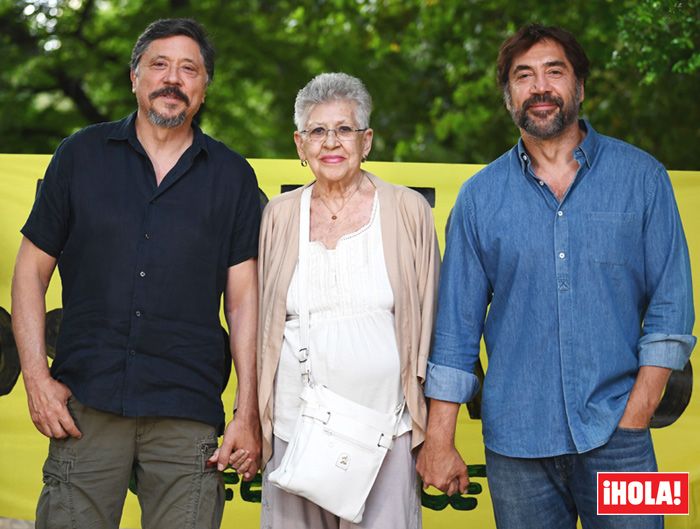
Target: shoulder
405	198
227	161
89	138
283	205
626	154
492	175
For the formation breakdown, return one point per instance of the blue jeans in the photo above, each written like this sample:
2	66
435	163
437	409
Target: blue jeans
551	492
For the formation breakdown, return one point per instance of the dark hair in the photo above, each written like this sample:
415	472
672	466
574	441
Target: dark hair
171	27
527	36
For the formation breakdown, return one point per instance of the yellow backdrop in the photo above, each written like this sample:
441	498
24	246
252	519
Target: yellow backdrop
23	449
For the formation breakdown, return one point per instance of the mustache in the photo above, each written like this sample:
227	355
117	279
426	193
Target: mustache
170	91
542	98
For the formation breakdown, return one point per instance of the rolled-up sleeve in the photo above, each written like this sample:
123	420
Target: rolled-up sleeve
667	339
462	301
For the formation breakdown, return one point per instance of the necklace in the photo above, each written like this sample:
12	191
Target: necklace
334	214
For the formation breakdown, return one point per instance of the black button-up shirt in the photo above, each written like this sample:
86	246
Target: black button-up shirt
143	268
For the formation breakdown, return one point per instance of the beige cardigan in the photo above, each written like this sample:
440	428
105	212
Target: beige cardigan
412	261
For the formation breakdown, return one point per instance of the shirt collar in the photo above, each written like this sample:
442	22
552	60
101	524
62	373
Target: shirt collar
585	152
125	130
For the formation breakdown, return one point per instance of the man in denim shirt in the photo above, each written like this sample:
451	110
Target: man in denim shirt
573	242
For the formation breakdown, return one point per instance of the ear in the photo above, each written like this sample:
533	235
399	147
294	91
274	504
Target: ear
132	77
367	142
507	99
583	92
299	141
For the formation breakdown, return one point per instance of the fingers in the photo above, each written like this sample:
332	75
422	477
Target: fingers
237	459
463	482
453	487
224	452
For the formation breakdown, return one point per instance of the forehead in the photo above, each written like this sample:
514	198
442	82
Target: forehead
336	111
542	52
178	47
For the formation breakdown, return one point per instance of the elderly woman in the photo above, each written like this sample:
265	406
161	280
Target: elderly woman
373	263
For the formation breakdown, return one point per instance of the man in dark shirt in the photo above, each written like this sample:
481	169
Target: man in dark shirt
149	221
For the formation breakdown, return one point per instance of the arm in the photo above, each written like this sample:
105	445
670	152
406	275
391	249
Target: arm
666	341
241	445
462	301
645	397
439	462
46	396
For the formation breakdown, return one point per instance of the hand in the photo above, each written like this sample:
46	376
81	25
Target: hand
48	408
441	466
240	448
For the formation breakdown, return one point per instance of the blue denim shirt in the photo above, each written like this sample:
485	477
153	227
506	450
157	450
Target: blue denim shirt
580	294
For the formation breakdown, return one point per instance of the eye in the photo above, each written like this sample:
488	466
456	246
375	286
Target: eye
523	75
188	68
345	130
317	132
159	65
555	73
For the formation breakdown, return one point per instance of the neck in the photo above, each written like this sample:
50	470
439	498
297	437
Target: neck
554	151
339	188
160	139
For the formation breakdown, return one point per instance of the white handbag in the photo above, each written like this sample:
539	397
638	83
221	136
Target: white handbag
338	445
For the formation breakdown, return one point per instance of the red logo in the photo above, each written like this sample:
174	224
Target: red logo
642	493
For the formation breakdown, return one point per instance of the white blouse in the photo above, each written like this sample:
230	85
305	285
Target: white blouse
352	341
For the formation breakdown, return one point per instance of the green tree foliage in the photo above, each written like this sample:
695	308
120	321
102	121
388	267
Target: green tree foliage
430	66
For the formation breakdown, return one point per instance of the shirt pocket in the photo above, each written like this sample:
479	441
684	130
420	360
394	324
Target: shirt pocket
611	236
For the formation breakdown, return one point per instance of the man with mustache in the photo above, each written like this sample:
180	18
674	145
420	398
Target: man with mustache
150	221
570	240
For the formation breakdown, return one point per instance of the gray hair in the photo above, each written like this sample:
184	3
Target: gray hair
171	27
333	87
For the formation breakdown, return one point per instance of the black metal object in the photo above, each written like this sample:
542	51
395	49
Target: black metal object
679	389
9	359
53	325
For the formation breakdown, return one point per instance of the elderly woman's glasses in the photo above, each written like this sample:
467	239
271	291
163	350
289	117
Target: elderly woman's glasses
342	133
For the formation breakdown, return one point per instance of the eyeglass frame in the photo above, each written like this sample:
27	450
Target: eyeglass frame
335	133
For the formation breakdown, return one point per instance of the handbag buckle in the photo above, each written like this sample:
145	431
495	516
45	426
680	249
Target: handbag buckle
384	445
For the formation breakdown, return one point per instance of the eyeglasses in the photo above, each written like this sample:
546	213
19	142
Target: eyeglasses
342	133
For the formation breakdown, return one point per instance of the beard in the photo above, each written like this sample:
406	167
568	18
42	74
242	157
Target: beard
167	122
550	124
161	120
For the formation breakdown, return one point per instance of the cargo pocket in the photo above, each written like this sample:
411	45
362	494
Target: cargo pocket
55	507
208	494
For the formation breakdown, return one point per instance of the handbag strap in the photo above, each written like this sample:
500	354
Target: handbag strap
302	292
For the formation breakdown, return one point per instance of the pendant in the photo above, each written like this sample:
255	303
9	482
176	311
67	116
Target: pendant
333	217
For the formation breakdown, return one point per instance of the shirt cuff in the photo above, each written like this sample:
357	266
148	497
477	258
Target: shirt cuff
450	384
665	350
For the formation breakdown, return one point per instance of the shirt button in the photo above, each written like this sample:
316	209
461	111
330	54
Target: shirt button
524	157
562	255
560	213
541	182
138	313
142	273
146	235
132	353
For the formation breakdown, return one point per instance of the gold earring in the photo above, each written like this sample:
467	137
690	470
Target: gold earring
304	163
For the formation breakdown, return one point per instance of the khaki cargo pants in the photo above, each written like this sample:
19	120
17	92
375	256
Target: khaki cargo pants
86	480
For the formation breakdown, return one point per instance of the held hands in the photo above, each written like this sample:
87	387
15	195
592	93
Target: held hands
240	448
48	408
441	466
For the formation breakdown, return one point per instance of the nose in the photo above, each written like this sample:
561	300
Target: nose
540	83
328	142
172	74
